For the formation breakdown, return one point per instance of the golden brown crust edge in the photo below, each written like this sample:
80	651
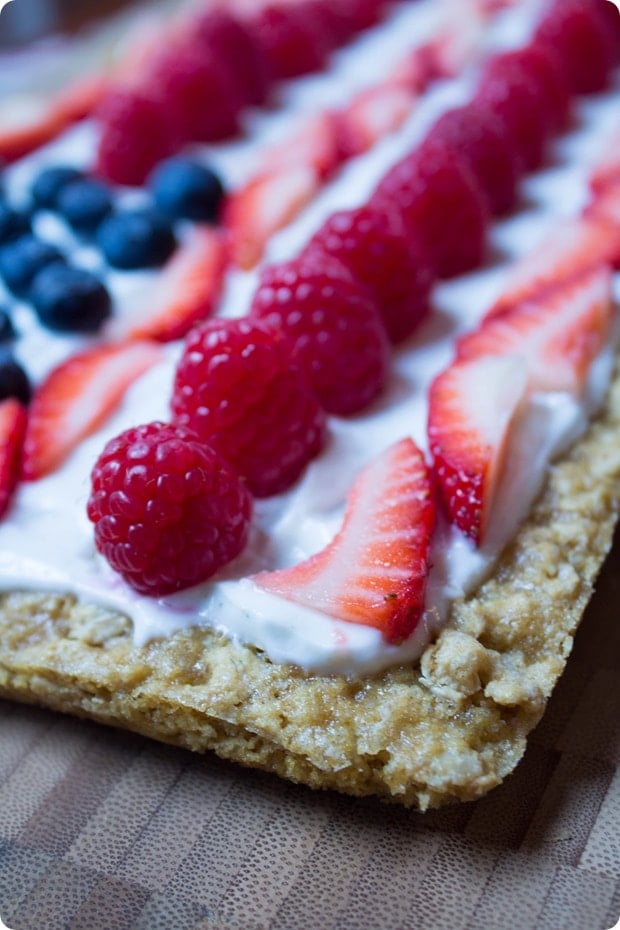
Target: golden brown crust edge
448	729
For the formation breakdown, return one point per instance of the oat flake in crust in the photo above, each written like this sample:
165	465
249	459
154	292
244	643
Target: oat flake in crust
449	728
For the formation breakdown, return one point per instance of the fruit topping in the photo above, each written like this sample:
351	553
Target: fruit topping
69	300
374	571
7	328
12	430
511	95
136	131
22	259
541	67
334	328
557	335
441	205
14	381
480	139
12	223
76	398
168	512
49	183
605	207
568	250
371	115
263	206
237	388
472	405
291	40
132	239
187	291
185	189
373	245
84	204
579	31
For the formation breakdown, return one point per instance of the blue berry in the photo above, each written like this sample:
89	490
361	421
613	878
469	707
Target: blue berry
7	328
49	183
12	223
70	300
84	204
14	381
185	189
22	259
136	239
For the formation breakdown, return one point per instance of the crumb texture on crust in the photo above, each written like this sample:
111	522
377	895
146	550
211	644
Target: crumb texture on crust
447	729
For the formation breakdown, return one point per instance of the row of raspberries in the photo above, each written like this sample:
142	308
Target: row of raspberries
316	339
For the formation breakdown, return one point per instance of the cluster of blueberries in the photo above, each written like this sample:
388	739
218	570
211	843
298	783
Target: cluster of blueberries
70	299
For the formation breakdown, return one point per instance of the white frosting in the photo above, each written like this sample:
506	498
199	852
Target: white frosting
46	542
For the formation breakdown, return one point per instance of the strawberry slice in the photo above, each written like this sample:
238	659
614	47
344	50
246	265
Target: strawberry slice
606	169
13	419
187	291
557	335
265	205
566	252
314	143
374	570
371	115
472	405
76	398
605	205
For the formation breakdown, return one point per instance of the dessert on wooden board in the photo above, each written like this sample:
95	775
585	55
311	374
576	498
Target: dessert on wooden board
310	438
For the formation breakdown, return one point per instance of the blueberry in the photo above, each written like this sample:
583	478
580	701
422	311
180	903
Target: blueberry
12	223
49	183
84	204
70	300
136	239
21	259
14	381
185	189
7	329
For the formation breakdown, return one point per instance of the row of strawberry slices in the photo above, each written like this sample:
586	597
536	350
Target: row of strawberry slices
254	390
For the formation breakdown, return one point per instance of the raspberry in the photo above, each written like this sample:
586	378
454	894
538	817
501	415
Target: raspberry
236	386
197	89
373	245
136	133
479	140
542	66
441	204
335	329
236	48
291	40
580	32
511	96
168	512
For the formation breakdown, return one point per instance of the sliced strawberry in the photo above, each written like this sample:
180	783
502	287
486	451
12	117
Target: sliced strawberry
566	252
557	335
265	205
371	115
471	407
76	398
187	291
13	419
314	143
374	570
605	207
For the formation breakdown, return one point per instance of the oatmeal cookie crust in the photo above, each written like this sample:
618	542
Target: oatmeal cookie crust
448	728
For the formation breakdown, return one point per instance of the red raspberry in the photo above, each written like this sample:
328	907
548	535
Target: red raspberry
237	387
197	89
136	132
542	66
373	245
335	329
291	40
480	140
168	512
236	48
511	96
580	32
441	204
